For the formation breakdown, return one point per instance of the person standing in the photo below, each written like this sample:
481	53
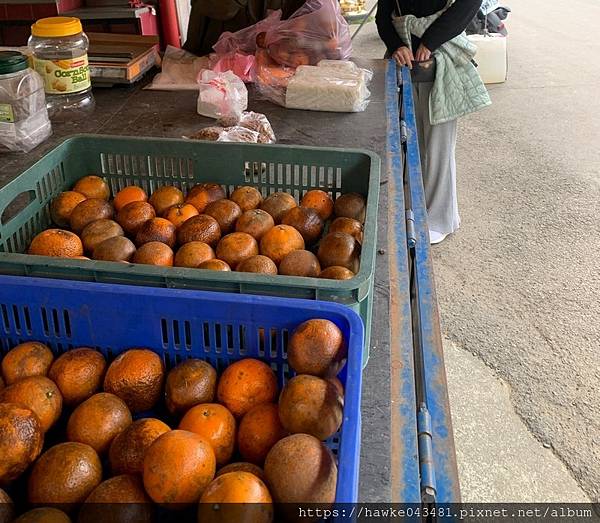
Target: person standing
437	143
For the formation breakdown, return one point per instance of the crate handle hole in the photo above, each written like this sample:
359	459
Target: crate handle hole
17	205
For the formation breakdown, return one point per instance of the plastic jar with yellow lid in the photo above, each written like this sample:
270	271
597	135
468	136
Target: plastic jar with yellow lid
59	48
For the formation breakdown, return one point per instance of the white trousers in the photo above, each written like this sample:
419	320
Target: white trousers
437	146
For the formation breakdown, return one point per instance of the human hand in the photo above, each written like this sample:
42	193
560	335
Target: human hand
423	54
403	56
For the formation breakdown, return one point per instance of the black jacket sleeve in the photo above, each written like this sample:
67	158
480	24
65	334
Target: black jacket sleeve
451	23
383	19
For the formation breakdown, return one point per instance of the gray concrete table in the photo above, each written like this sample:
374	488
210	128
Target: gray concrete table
389	461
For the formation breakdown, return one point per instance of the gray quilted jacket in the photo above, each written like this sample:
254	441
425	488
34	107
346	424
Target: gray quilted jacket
457	89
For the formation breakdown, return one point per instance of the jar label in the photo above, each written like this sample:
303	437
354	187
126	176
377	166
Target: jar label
64	76
6	113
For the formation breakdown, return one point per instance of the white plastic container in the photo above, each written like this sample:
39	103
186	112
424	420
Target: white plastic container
491	57
24	122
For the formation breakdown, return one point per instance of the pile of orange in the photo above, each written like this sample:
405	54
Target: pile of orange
206	229
233	438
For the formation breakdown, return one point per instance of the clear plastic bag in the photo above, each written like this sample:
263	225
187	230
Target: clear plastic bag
225	134
180	71
315	32
271	79
221	95
255	122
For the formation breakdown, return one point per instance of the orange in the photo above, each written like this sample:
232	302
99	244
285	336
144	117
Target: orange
164	198
246	197
320	201
351	205
348	225
336	273
64	475
255	222
215	265
178	466
235	248
259	430
43	515
216	424
134	215
236	496
89	211
154	253
136	376
193	254
128	449
306	221
300	263
96	232
56	242
201	228
341	250
280	241
98	420
62	206
180	213
277	204
203	194
258	264
156	230
40	395
93	187
20	442
225	212
27	359
78	374
127	195
246	383
190	383
242	466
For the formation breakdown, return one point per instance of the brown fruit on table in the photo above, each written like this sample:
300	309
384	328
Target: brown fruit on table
312	482
202	194
89	211
120	499
156	230
7	508
115	249
127	195
27	359
311	405
349	226
96	232
300	263
259	430
178	466
134	215
164	198
258	264
21	440
215	265
98	420
154	253
214	423
180	213
280	241
336	273
240	496
277	204
225	212
339	249
350	205
40	395
236	247
306	221
43	515
127	451
247	197
188	384
193	254
62	206
317	347
255	222
246	383
92	187
56	242
201	228
78	374
320	201
136	376
242	466
64	475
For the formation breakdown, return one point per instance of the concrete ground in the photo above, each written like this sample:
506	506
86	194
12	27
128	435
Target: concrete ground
519	285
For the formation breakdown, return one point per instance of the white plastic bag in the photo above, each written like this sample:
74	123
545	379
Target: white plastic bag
221	95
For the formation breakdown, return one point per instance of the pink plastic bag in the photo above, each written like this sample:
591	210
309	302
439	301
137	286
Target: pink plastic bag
317	31
244	41
242	65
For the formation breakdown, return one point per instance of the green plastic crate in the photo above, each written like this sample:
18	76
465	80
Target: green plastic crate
153	162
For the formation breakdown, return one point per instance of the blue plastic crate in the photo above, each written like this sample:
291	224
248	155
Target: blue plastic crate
180	324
